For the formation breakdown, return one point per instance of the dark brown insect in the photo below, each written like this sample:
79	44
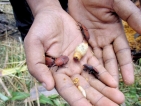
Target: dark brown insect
91	70
84	32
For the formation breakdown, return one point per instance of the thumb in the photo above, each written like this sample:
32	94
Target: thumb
36	61
129	12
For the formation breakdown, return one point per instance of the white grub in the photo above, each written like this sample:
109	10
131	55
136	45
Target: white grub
82	91
80	51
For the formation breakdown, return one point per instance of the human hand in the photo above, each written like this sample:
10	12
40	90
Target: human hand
55	33
107	37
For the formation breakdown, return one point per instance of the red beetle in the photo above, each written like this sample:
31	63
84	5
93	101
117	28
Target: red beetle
60	61
84	32
49	61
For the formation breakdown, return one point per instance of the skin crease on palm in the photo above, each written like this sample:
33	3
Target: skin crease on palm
54	30
107	37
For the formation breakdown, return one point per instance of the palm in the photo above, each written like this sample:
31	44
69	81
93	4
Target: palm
107	36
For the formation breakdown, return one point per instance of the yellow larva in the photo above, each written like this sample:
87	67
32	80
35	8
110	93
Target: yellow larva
82	91
80	51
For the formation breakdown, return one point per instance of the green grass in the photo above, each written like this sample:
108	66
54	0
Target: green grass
133	92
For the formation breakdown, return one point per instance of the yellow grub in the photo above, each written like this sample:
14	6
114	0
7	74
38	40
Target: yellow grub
80	51
82	91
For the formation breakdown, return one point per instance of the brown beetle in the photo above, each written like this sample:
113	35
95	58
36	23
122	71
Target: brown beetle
84	32
91	70
49	61
60	61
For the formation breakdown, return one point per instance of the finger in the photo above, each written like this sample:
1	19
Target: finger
98	54
103	75
123	54
69	91
128	12
110	61
118	96
36	62
94	96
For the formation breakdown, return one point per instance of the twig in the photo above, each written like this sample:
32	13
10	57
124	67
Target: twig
32	103
25	88
13	103
13	84
5	88
6	57
25	103
37	94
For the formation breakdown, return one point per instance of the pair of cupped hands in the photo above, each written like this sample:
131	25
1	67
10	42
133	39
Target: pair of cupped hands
56	32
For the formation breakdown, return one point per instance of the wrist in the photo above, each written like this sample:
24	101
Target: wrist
38	6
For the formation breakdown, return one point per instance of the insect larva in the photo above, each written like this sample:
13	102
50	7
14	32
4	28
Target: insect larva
80	51
82	91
